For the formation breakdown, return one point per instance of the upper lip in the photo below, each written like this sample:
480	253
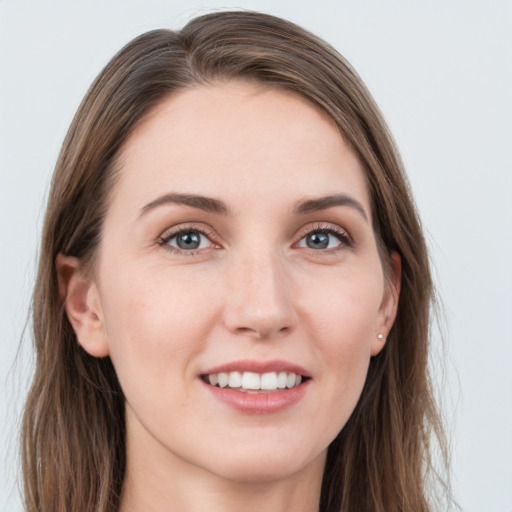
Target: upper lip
258	367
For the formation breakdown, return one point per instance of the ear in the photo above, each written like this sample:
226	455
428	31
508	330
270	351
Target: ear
82	304
389	305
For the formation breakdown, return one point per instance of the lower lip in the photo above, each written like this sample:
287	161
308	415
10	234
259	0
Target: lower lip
259	403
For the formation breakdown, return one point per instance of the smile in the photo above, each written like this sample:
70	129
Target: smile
247	382
257	387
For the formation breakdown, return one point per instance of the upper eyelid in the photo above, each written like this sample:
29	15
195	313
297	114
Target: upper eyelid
323	226
317	226
184	228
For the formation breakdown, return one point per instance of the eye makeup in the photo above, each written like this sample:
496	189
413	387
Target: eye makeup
189	240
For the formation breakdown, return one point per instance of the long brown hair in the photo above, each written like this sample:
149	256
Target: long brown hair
74	427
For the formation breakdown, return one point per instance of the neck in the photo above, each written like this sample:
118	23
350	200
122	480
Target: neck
158	481
197	495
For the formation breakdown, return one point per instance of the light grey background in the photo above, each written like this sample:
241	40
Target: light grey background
441	73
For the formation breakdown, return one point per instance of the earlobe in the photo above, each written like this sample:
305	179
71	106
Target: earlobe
82	305
389	305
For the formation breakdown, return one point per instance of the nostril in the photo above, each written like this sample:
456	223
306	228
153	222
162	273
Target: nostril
263	333
246	330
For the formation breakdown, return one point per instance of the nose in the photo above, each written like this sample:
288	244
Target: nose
259	298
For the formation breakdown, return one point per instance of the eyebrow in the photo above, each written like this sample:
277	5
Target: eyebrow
211	205
324	202
207	204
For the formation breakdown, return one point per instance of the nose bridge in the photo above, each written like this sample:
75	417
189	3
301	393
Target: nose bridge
259	300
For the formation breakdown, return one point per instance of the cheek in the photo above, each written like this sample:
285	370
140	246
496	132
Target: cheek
342	323
155	326
345	310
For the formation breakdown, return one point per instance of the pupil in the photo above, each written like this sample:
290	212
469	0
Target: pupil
317	240
188	241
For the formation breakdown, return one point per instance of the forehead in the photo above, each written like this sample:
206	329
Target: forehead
236	139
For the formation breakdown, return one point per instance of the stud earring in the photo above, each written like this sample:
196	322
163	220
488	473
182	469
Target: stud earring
380	336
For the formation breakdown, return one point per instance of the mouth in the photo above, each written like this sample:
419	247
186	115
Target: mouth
255	383
257	387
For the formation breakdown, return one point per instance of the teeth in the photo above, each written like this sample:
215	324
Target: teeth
290	381
282	379
253	381
223	379
269	381
235	380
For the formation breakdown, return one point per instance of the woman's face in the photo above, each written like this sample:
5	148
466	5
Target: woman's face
238	247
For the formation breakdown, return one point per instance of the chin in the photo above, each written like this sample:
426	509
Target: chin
261	465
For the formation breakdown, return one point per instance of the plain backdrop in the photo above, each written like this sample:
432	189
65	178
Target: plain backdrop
441	73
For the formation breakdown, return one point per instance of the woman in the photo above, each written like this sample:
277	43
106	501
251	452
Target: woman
232	304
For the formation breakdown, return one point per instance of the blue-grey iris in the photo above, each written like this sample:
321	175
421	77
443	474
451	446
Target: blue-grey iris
317	240
188	240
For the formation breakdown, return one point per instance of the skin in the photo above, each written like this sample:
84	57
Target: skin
254	290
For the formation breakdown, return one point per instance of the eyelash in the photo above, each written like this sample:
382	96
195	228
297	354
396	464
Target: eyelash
330	229
167	237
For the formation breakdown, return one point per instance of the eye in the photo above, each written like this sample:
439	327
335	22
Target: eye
325	239
186	240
